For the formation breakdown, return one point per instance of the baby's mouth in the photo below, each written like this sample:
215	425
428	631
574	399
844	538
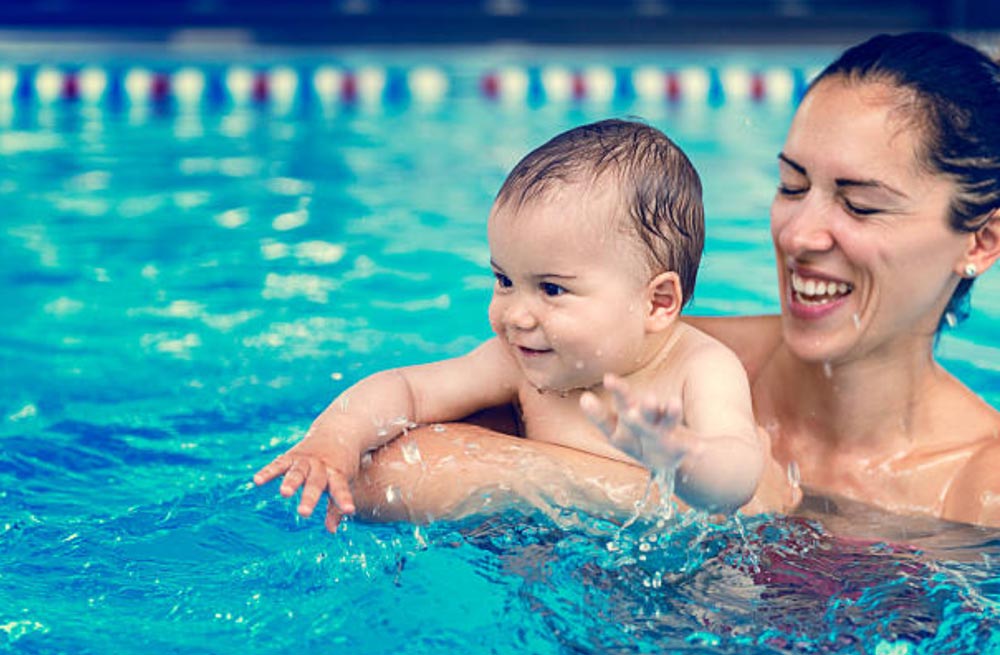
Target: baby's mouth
531	352
818	291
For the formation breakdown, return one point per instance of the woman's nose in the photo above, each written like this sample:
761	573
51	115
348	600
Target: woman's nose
802	227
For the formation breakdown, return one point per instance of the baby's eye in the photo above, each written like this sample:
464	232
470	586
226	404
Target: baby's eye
551	289
503	281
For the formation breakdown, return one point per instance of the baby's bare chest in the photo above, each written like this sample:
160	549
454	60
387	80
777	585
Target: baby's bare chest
557	418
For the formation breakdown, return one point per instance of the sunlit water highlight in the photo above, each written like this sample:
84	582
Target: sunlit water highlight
184	291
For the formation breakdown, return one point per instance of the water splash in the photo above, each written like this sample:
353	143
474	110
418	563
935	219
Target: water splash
750	556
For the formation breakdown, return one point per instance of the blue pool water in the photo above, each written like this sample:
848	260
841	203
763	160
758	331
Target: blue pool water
184	289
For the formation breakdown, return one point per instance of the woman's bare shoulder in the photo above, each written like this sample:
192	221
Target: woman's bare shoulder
974	494
752	338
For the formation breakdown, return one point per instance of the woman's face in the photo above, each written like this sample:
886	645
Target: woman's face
866	259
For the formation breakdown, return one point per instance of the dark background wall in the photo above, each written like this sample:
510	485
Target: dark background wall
478	21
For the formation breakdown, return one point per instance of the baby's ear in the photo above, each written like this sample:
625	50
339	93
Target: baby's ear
665	300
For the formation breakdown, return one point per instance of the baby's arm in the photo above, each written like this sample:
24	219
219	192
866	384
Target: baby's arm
722	471
708	436
376	410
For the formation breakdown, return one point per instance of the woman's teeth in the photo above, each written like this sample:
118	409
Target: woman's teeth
818	291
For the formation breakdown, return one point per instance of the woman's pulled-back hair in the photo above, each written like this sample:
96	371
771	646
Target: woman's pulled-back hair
955	102
659	188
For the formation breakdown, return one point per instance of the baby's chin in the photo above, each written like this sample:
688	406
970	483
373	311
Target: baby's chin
564	390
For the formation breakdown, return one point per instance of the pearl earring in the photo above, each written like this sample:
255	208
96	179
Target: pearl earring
970	270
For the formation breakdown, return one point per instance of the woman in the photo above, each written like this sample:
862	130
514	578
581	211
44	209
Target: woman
888	208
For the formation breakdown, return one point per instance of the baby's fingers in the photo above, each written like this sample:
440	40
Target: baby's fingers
296	475
333	515
340	491
339	500
661	415
599	414
619	392
315	484
278	465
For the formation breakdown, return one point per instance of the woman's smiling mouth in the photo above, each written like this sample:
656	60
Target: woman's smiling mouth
818	291
813	297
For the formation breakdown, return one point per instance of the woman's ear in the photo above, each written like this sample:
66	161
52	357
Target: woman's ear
665	301
984	248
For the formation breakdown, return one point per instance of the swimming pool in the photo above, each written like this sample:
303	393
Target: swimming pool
198	254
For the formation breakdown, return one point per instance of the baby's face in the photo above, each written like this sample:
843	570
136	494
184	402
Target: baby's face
571	295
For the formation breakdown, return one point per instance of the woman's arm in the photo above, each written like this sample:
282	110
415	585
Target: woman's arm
460	469
467	469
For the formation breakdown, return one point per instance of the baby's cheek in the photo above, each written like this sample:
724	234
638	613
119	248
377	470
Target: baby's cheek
494	317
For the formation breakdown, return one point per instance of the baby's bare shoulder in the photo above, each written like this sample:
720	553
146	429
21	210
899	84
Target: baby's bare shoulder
700	349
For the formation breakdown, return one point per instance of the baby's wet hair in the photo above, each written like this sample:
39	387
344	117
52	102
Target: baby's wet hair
658	187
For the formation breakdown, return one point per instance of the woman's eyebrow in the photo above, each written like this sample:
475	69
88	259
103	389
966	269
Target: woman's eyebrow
844	181
799	168
872	184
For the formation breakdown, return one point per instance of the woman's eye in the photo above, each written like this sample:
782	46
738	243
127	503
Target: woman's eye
503	281
858	210
791	191
551	289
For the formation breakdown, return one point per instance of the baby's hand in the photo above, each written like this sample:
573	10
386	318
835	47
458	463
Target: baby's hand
316	465
648	430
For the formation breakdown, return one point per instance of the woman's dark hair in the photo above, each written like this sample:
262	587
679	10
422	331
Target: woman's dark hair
955	101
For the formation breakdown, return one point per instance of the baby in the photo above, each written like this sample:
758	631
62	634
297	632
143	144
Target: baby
595	239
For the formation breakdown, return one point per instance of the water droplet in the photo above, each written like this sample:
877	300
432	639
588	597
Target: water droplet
336	376
951	319
437	427
793	473
579	364
827	369
411	453
391	494
857	321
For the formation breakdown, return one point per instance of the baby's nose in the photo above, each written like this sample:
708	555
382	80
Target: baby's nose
520	316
